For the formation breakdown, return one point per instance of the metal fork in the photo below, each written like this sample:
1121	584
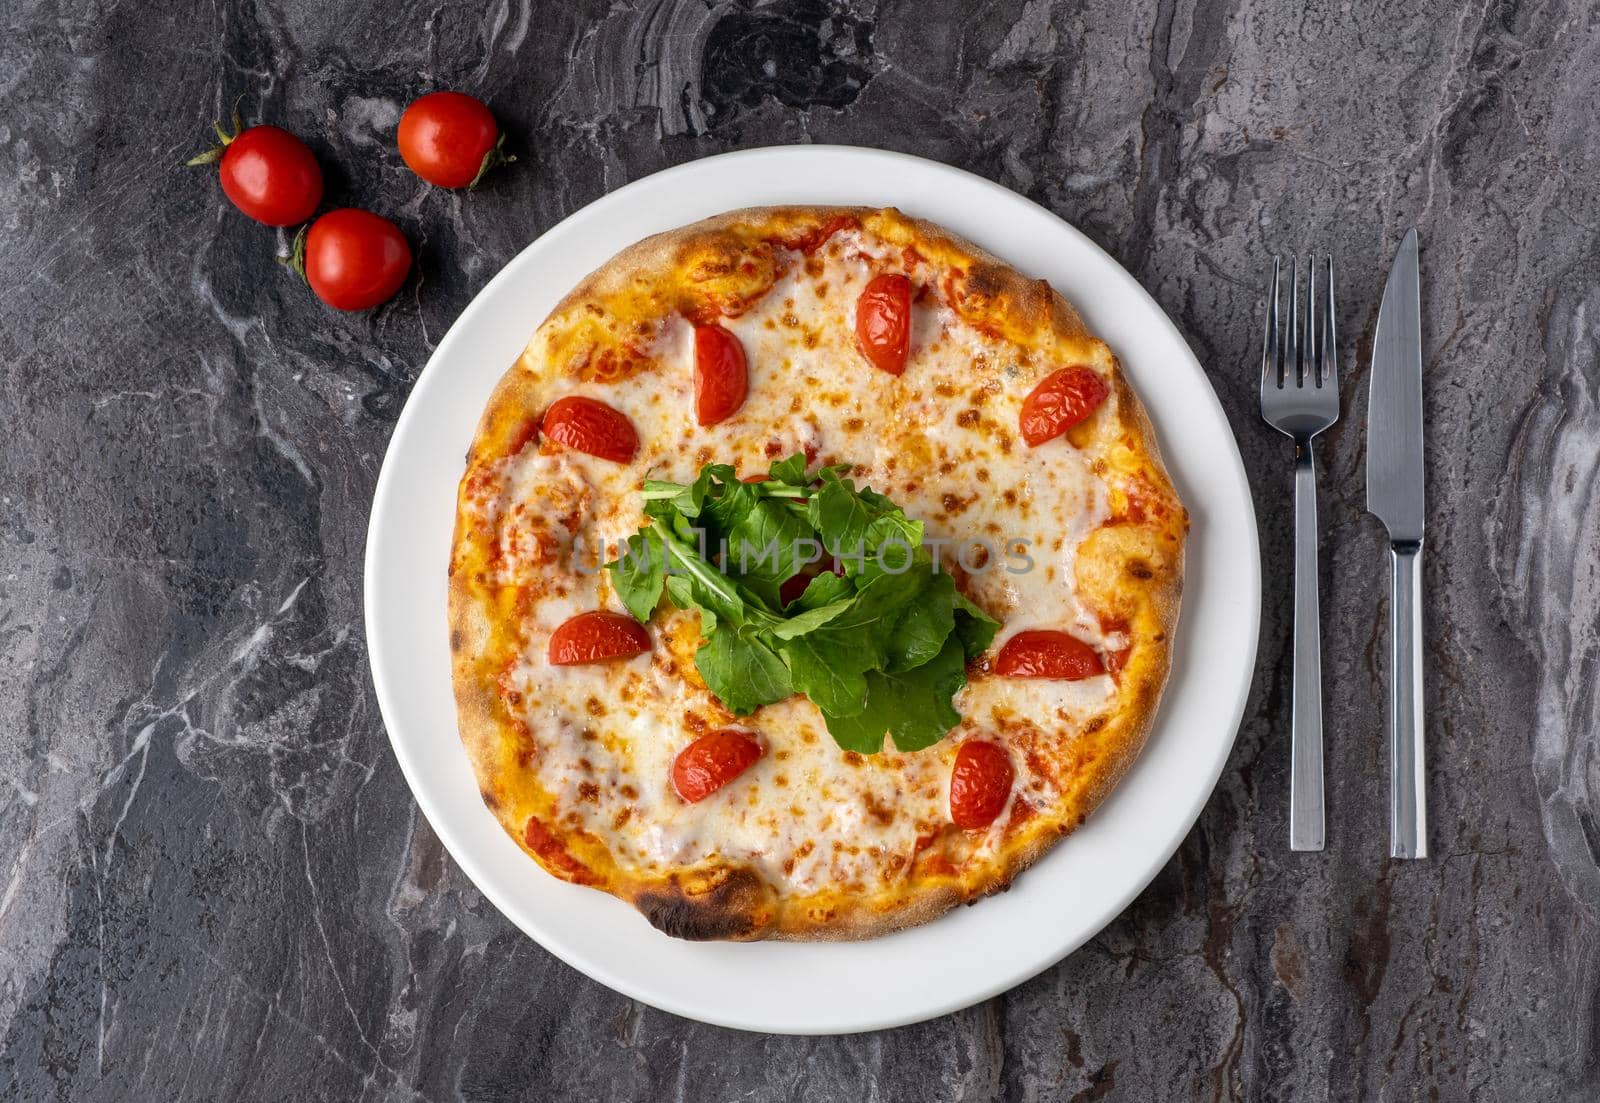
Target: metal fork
1300	398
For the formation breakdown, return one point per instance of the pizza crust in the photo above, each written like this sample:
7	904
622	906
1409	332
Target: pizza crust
1130	571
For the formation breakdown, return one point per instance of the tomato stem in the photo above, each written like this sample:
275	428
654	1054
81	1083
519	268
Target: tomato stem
496	156
224	139
296	260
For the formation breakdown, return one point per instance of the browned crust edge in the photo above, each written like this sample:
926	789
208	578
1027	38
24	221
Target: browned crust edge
727	901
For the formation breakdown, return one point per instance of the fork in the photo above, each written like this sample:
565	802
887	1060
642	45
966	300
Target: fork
1300	398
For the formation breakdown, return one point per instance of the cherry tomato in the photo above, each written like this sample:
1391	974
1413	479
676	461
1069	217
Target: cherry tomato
450	139
980	782
355	259
589	425
267	173
1040	653
596	636
883	322
720	375
712	761
1061	400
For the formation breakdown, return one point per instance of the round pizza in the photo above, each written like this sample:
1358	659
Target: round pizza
814	572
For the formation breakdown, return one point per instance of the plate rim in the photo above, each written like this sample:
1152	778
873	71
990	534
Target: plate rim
441	821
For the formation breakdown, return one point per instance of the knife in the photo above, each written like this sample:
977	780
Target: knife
1394	495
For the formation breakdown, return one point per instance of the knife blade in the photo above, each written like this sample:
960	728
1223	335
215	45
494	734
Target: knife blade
1394	494
1394	401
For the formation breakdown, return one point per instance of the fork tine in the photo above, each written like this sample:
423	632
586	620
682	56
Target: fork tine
1271	345
1330	343
1295	334
1313	366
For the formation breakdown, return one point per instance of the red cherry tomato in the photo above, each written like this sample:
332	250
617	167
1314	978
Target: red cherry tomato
1061	400
980	782
596	636
589	425
270	175
1043	654
720	375
712	761
355	259
883	322
449	139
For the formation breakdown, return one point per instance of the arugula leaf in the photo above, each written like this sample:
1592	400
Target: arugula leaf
825	589
927	622
791	472
697	583
913	707
829	662
838	513
742	671
809	620
766	542
638	572
836	682
974	628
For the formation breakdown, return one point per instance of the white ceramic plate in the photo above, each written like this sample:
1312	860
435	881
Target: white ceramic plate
972	953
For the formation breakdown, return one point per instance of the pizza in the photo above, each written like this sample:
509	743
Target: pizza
809	748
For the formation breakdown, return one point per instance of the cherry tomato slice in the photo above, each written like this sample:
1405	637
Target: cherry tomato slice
355	259
589	425
883	322
271	176
712	761
980	783
597	636
447	138
1040	653
720	375
1061	400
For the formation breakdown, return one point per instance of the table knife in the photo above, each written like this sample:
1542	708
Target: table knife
1394	495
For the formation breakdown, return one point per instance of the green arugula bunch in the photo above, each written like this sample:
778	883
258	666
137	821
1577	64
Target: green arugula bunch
879	649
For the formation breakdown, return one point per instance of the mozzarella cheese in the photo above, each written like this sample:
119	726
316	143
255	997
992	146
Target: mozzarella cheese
940	440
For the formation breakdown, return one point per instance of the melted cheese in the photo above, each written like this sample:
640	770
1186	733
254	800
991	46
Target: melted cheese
941	441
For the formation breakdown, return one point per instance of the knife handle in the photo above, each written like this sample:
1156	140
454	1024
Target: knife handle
1408	799
1307	826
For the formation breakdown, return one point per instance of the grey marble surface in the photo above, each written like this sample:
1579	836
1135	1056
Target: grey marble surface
213	881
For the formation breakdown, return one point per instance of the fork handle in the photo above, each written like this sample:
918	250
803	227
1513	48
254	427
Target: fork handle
1408	798
1306	820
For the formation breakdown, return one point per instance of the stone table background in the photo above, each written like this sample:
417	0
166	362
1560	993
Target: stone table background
213	881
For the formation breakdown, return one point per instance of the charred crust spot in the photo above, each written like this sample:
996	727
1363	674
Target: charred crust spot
730	908
457	642
1095	724
490	799
983	283
1138	568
